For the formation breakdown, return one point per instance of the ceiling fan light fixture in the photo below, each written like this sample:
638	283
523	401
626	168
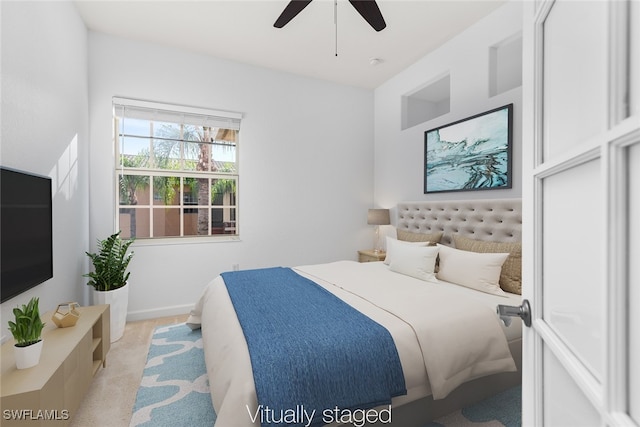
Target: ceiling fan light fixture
368	9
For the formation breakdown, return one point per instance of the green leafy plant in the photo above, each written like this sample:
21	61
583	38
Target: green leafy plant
110	263
27	328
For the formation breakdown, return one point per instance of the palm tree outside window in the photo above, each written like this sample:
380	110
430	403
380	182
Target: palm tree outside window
177	170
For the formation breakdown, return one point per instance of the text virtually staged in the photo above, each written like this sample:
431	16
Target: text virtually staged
299	415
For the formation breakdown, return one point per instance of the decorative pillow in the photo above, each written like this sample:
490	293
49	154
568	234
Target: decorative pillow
471	269
415	261
433	239
511	275
392	244
408	236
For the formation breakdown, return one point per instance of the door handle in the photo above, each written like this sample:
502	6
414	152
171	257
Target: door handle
522	311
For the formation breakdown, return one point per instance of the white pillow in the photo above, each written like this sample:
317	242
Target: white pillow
480	271
392	244
415	261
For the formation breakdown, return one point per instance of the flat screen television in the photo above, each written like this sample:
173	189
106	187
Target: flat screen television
26	239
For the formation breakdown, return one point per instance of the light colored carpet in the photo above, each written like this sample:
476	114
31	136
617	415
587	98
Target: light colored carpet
109	401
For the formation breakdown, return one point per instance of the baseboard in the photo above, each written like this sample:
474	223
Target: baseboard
177	310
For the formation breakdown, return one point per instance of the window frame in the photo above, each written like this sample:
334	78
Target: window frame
220	118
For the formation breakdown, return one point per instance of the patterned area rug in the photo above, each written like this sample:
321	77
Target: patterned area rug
501	410
174	390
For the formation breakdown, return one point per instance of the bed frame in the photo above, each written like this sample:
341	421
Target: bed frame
497	220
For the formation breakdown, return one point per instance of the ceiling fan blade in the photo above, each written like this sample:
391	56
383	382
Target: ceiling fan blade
290	11
370	12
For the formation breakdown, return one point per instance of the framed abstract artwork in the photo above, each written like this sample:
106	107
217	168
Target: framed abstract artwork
470	154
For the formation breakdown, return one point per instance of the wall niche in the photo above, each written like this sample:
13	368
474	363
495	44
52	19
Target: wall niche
505	65
426	102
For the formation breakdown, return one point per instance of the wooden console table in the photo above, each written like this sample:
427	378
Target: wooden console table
49	393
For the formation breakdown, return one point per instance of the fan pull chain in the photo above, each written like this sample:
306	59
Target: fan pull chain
335	21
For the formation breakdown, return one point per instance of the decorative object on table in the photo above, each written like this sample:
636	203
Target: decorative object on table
27	331
66	315
470	154
378	217
110	279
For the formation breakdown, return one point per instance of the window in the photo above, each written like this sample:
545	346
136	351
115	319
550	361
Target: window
177	170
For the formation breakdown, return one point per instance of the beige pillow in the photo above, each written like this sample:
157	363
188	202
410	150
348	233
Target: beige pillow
408	236
471	269
393	244
511	275
415	261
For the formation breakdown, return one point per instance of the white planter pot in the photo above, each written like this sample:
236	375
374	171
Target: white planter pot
118	299
28	356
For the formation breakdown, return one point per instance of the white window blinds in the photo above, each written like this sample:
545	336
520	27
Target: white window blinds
147	110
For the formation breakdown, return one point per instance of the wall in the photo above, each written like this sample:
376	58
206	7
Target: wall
45	131
306	165
306	154
399	154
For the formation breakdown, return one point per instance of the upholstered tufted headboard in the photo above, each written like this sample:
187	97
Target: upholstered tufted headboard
495	220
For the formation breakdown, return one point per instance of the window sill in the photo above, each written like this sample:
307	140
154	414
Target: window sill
168	241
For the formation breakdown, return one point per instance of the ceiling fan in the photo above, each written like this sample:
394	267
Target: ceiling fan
368	9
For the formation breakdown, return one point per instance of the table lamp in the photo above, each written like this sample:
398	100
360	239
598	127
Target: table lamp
378	217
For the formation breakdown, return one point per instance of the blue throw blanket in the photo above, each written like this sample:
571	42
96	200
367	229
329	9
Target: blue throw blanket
310	351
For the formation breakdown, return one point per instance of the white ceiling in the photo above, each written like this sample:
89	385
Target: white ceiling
242	30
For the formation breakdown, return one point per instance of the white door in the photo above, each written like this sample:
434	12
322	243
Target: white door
581	203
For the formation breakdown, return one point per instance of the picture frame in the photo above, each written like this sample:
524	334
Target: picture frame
471	154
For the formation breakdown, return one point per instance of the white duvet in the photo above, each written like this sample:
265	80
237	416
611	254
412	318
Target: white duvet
445	334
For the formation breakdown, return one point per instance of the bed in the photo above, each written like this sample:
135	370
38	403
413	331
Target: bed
476	354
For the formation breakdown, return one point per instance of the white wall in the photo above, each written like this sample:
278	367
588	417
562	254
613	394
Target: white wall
44	121
306	152
399	154
306	164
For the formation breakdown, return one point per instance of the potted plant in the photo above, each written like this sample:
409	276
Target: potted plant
109	279
27	332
